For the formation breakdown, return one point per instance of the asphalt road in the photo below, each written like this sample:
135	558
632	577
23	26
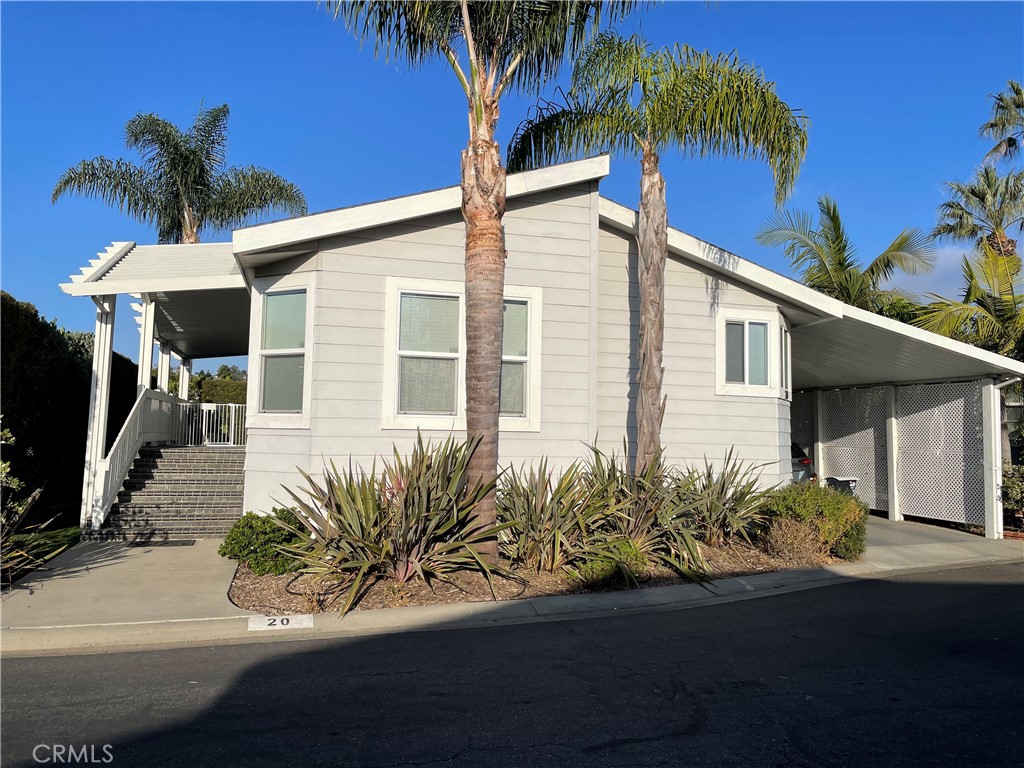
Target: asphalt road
920	670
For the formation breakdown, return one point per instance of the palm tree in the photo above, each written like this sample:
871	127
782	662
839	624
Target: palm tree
986	208
491	47
991	313
1006	125
827	260
181	185
626	98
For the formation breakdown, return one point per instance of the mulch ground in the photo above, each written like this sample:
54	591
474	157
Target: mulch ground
299	593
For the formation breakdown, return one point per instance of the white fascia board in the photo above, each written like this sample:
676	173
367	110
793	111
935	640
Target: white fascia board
319	225
154	285
721	261
1005	364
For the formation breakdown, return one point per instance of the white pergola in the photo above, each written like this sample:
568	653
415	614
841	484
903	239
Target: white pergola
192	301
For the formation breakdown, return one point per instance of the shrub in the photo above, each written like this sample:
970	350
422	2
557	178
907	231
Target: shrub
1013	488
839	518
726	502
792	539
650	523
223	391
256	540
622	564
550	521
413	521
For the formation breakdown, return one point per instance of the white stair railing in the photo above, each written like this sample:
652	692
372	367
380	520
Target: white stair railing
157	417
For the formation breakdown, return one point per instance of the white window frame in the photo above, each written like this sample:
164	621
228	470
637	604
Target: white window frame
261	287
395	287
774	320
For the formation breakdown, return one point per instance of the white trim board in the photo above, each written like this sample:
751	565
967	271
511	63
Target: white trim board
263	237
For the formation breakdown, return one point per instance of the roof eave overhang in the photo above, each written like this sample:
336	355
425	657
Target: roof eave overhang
153	285
727	264
285	235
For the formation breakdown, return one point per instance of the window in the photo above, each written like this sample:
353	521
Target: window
425	358
281	319
282	352
746	353
752	354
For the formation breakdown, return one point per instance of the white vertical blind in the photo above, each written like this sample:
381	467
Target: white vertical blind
515	331
282	384
426	385
757	334
429	324
734	354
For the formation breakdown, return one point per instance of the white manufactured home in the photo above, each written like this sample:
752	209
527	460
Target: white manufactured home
353	323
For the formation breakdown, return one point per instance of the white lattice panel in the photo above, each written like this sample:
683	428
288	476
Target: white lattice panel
853	434
801	419
939	465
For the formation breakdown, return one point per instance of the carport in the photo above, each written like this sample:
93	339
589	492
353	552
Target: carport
914	416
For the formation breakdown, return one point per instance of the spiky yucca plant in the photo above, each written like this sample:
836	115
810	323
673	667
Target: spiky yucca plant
414	520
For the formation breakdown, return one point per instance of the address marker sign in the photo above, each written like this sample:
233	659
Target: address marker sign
263	623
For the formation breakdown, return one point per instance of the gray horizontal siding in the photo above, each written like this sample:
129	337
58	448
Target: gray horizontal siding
698	423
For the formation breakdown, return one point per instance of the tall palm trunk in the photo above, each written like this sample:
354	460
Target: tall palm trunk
483	205
652	247
189	229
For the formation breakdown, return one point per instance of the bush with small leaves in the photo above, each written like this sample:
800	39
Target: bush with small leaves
839	518
792	540
256	541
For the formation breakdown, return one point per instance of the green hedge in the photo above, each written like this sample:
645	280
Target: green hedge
223	391
44	391
839	518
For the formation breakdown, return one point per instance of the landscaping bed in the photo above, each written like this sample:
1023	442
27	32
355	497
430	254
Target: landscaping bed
293	593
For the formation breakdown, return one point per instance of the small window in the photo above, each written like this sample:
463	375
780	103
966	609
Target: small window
283	352
746	353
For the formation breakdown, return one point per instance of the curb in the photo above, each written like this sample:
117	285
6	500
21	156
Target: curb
230	630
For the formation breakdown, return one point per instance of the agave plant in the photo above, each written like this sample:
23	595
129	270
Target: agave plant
551	521
412	521
651	523
725	501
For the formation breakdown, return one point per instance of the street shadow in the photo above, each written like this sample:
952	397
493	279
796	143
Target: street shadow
813	678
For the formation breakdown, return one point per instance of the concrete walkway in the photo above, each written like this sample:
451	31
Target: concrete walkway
105	596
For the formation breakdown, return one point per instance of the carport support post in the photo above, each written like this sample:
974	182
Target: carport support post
991	459
819	445
163	368
146	342
184	374
99	401
891	454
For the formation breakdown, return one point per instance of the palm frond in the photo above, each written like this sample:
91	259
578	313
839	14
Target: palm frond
554	132
209	135
1006	123
721	105
117	182
911	252
243	193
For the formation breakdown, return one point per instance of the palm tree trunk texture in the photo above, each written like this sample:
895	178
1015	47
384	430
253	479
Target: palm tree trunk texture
483	205
652	246
189	230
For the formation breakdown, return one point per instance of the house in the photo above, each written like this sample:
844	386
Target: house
353	322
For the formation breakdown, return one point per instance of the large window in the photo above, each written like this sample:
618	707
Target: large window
280	356
425	359
753	356
282	352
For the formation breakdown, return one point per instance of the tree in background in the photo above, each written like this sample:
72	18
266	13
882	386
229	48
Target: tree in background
986	208
627	98
827	260
182	185
491	47
990	313
1006	125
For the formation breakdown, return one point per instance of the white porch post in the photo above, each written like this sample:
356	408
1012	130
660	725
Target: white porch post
99	401
146	342
992	464
184	374
819	445
163	368
892	454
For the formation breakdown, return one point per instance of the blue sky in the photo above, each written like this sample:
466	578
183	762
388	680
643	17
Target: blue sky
895	93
